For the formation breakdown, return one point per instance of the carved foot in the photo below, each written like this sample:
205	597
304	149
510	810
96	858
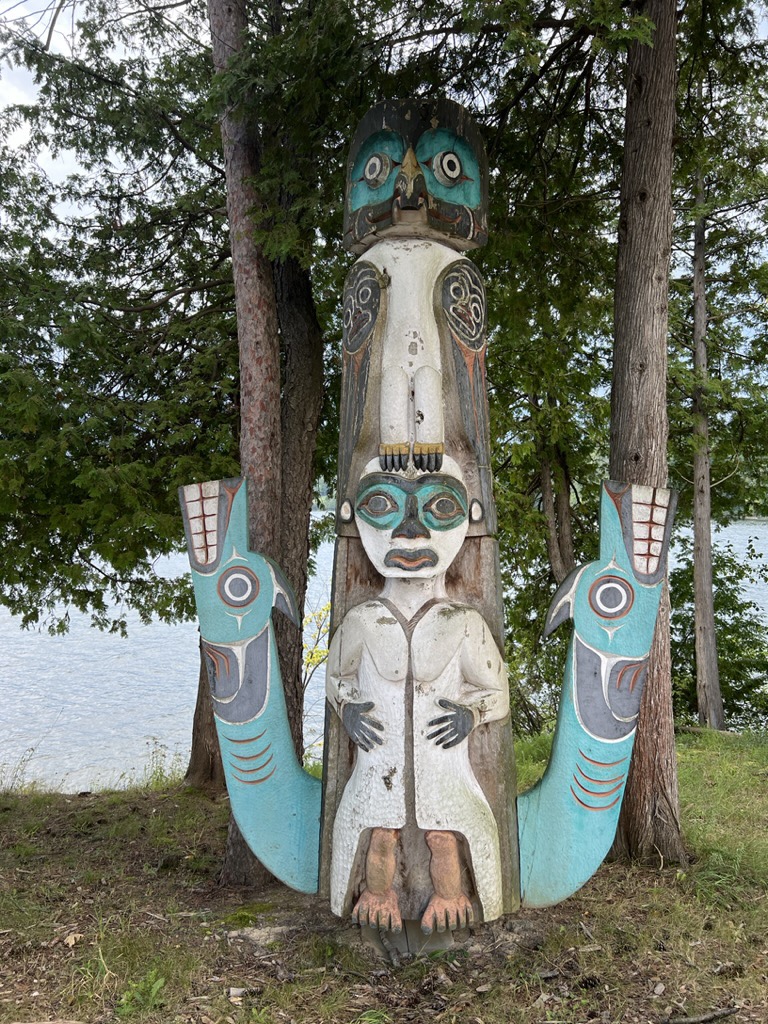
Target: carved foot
394	457
428	457
379	910
445	913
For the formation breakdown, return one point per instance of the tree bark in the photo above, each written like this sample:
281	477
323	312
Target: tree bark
259	345
708	694
649	821
205	769
302	401
649	825
556	506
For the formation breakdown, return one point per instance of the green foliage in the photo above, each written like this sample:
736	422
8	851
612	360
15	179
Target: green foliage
742	636
722	178
141	996
721	779
118	369
118	365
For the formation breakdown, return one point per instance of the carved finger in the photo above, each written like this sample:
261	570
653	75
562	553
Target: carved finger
367	739
443	735
448	704
372	723
443	729
441	719
454	740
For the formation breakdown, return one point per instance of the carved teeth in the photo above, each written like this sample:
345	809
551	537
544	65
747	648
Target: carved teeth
650	507
202	504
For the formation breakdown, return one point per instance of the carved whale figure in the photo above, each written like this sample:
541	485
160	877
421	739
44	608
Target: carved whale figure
275	802
567	822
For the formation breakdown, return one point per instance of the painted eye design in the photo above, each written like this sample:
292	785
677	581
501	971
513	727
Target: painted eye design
611	597
377	169
238	587
446	167
444	507
378	504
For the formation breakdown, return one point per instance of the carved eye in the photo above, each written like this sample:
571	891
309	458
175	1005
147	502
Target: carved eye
378	504
377	169
443	507
446	167
238	587
611	597
445	510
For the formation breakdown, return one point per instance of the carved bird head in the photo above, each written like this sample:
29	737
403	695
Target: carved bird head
617	594
235	588
416	168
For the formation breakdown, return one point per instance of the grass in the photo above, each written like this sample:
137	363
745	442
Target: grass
110	912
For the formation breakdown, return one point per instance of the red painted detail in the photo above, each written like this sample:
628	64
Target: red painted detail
252	771
592	792
253	757
256	782
252	739
599	782
589	807
602	764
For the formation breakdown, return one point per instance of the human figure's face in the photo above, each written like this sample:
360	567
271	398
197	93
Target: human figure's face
411	528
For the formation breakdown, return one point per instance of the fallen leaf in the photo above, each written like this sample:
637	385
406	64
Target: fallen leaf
72	938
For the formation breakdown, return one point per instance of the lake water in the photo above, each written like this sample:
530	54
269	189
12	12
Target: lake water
89	710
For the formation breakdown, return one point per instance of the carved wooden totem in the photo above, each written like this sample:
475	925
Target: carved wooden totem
419	812
418	828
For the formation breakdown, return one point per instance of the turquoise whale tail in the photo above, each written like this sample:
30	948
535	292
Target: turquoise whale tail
275	802
567	822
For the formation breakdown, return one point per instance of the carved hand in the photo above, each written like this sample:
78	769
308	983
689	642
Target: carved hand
360	725
452	728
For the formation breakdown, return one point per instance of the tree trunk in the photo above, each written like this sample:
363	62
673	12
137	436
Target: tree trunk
649	826
302	401
556	506
708	693
205	770
649	821
258	339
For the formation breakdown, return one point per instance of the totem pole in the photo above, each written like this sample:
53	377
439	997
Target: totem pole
419	820
419	829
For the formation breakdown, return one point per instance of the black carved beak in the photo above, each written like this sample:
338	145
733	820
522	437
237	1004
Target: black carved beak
410	185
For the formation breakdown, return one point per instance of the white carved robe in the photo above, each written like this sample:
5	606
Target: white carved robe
445	651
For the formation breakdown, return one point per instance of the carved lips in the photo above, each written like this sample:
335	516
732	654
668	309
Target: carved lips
411	561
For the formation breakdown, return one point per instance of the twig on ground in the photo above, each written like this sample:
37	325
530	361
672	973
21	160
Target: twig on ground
704	1018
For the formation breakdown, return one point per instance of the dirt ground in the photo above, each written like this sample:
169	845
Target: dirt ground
110	911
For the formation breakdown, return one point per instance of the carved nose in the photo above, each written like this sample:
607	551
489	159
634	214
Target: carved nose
410	186
411	526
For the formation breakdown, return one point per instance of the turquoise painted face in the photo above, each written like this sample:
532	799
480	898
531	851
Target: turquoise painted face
447	163
417	168
411	527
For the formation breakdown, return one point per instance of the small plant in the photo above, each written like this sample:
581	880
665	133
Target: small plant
13	777
159	773
316	626
142	995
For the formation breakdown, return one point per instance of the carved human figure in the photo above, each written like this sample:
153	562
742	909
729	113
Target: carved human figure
414	305
411	674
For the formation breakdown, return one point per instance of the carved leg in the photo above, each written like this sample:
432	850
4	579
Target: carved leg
449	906
378	905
